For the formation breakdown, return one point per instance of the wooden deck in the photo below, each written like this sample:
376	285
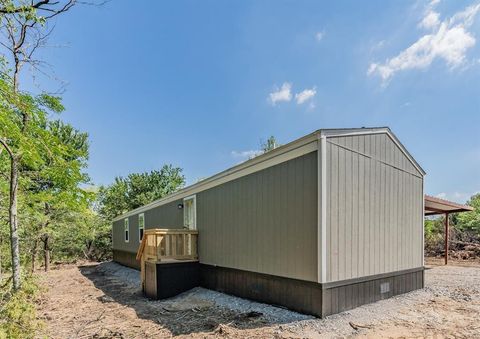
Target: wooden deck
167	246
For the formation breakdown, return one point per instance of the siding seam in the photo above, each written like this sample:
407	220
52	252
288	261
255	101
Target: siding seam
373	158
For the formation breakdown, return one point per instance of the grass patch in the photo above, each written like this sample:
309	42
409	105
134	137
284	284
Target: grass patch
17	310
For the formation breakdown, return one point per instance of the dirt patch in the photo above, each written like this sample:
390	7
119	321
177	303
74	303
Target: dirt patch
103	301
440	261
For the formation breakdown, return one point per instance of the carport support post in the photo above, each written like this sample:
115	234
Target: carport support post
446	238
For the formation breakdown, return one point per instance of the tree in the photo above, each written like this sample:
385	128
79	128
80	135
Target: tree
23	24
25	145
54	191
269	145
470	221
83	233
138	189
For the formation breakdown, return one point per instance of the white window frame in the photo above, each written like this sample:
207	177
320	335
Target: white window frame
142	216
194	198
126	228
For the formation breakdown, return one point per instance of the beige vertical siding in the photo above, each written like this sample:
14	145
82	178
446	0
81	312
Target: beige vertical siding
374	208
264	222
383	147
165	216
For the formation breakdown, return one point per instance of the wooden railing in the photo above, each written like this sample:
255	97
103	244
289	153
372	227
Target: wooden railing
168	245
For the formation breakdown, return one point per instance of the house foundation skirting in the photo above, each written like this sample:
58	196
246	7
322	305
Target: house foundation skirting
302	296
126	259
345	295
309	297
170	279
298	295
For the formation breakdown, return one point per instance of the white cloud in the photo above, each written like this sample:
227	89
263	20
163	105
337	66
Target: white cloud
430	20
458	197
449	40
320	35
378	45
305	95
246	154
281	94
441	195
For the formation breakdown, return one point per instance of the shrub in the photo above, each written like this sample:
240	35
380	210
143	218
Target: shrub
17	310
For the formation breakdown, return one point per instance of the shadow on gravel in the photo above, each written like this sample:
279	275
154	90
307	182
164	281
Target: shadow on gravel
125	290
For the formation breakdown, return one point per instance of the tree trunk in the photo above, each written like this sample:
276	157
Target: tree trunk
34	254
35	243
13	220
1	246
46	252
16	71
88	249
15	79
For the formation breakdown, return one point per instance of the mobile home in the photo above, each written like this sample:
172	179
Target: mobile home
320	225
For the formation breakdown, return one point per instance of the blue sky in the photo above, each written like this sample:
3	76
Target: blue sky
199	83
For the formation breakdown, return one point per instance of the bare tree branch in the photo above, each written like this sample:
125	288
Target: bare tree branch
7	148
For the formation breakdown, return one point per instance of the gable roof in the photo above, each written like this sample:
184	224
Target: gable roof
291	150
336	132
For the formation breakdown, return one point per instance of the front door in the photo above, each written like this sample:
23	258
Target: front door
190	213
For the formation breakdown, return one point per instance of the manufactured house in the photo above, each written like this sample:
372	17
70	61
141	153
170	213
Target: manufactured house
320	225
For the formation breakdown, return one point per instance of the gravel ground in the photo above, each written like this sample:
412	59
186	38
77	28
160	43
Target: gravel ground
105	301
272	314
126	275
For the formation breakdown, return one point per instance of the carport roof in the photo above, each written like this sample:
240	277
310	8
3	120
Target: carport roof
435	205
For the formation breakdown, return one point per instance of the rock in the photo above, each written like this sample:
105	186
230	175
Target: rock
222	330
105	299
188	303
253	314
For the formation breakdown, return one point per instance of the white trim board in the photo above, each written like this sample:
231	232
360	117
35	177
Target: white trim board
126	230
322	210
141	228
194	198
423	222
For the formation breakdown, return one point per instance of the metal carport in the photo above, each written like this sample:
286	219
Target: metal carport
435	206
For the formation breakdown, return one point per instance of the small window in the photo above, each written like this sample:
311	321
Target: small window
141	226
127	230
190	213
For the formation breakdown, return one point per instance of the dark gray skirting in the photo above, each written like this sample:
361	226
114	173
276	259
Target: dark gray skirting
126	259
308	297
345	295
302	296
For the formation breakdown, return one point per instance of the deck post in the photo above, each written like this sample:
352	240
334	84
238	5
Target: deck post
446	238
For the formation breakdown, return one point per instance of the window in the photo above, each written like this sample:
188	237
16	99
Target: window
127	229
141	226
190	213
